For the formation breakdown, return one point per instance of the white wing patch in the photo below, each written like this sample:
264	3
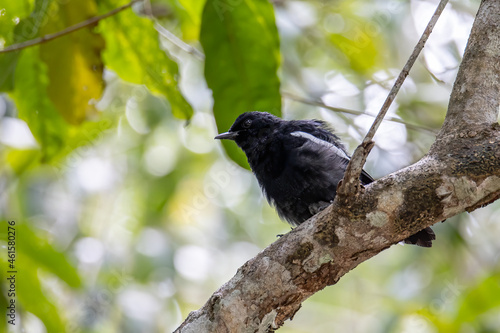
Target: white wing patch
324	143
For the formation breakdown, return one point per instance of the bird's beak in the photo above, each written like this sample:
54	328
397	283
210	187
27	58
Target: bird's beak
227	136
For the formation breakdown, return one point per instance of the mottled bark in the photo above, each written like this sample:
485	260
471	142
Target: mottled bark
475	96
460	173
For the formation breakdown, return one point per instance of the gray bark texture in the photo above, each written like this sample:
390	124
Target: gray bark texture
461	172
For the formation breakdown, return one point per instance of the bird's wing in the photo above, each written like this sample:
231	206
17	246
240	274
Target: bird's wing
327	144
321	130
318	134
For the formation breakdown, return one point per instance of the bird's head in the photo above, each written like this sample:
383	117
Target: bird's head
251	129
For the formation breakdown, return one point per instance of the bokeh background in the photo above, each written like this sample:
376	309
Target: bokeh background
129	215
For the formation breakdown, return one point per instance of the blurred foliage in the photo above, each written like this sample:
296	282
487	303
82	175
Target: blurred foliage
139	59
241	62
129	215
74	64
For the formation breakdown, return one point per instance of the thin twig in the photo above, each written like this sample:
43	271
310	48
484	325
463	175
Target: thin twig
172	38
68	30
178	42
433	76
354	112
351	177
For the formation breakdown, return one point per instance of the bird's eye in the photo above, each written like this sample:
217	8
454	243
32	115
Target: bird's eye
247	123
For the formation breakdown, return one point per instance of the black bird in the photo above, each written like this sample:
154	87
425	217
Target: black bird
298	164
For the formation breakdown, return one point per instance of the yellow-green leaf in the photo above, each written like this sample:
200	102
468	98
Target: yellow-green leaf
73	61
41	251
359	49
133	52
33	105
189	12
13	30
20	160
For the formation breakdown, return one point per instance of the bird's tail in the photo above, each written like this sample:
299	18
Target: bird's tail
422	238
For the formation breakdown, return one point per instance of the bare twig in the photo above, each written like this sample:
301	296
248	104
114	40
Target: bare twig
68	30
351	177
433	76
178	42
172	38
354	112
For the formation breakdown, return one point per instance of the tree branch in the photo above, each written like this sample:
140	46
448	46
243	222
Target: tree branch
460	173
350	183
68	30
480	70
270	288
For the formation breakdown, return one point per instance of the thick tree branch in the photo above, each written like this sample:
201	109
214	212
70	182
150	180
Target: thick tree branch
270	288
460	173
476	96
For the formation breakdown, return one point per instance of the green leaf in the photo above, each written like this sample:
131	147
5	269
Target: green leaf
12	33
360	43
10	13
22	159
73	61
33	299
34	106
189	14
40	251
8	63
133	52
30	257
241	46
359	49
479	299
